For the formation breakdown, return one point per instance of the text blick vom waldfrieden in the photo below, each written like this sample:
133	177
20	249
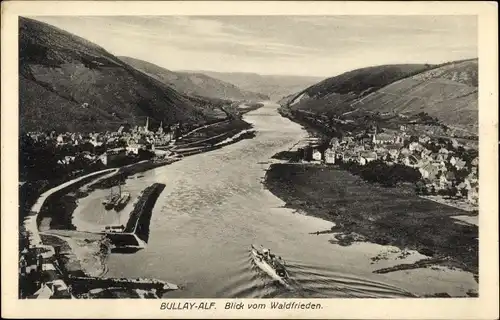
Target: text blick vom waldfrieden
240	306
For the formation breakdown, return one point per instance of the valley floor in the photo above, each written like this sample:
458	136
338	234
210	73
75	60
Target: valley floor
371	213
56	213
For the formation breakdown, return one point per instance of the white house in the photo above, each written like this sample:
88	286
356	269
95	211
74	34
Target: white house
424	139
95	143
367	157
329	156
383	138
473	196
443	151
134	148
475	161
316	155
348	156
428	171
104	158
415	146
43	293
334	142
405	152
60	139
457	162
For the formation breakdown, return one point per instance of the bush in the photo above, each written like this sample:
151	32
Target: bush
380	172
442	192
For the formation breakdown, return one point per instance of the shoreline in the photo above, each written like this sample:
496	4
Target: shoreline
462	205
458	221
363	212
70	198
53	210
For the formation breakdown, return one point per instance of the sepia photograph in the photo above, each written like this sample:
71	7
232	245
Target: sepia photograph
251	156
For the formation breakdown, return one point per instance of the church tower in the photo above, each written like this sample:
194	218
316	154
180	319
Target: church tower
160	129
374	139
146	127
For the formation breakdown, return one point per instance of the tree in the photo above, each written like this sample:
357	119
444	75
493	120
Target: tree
433	190
442	141
452	192
86	146
442	192
464	192
420	188
461	174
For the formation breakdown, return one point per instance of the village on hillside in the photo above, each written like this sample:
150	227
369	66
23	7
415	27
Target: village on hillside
106	146
438	167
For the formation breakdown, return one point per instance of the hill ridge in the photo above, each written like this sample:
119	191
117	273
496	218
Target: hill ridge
447	91
189	83
274	86
59	73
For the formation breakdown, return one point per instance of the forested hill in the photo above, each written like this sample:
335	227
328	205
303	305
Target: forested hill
274	86
194	83
447	92
69	83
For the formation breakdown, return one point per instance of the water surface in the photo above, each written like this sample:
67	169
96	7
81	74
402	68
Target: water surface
214	206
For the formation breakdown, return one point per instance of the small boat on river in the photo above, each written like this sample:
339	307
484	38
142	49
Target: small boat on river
271	265
118	201
122	202
110	201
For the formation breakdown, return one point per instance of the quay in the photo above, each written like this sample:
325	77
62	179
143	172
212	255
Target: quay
135	234
41	274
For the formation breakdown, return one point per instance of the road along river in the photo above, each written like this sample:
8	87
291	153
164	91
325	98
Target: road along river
214	207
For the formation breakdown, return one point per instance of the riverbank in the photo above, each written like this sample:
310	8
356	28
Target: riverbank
58	209
127	171
80	255
83	253
371	213
456	203
218	197
211	137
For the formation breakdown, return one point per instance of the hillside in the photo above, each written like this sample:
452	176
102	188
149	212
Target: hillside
194	83
69	83
337	93
274	86
448	92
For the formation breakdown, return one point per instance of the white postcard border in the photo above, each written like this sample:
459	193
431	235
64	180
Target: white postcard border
484	307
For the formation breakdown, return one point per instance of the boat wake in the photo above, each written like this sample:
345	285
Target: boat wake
305	281
323	282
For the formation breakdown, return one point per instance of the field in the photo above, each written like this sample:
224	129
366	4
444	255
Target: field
212	134
387	216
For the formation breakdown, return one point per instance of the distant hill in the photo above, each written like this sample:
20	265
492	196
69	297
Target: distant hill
194	83
448	92
274	86
69	83
337	93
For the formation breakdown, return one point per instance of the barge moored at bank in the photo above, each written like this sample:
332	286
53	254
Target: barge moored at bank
135	234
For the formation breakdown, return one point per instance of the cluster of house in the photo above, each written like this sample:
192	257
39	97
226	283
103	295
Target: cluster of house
119	143
37	265
437	168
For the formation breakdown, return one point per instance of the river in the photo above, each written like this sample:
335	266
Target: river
214	206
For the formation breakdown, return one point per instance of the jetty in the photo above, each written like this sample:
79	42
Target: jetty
135	234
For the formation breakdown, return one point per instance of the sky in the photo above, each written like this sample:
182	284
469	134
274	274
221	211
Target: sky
291	45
